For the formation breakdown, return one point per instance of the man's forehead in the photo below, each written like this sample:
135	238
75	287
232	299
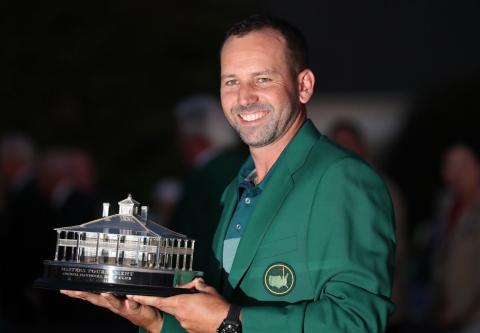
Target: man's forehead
254	52
265	34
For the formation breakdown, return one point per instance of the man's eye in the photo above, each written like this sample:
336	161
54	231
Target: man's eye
231	82
263	80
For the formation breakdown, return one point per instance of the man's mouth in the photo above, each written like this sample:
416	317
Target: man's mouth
252	116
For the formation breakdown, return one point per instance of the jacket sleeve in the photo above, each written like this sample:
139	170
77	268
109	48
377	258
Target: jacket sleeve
350	254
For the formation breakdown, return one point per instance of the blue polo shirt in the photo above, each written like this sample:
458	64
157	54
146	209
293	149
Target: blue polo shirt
248	198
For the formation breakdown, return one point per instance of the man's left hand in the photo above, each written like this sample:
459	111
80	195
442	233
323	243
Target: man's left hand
201	312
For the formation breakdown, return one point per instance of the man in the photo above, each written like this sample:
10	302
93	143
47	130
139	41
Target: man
456	243
211	146
306	239
24	209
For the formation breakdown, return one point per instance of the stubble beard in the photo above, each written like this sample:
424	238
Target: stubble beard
270	132
259	137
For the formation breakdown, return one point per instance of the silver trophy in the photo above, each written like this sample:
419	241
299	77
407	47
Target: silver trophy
124	253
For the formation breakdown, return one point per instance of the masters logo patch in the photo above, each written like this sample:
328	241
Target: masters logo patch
279	279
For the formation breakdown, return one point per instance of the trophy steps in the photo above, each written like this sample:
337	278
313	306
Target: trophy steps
119	280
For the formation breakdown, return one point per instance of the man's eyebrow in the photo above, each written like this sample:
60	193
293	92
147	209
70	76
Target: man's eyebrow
265	72
227	76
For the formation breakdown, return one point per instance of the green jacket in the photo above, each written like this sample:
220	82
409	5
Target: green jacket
317	253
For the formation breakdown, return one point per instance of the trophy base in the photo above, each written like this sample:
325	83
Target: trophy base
118	280
116	289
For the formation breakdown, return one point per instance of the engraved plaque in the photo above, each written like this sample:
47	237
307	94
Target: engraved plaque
125	253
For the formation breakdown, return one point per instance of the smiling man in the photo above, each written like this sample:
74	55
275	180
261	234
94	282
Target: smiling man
306	238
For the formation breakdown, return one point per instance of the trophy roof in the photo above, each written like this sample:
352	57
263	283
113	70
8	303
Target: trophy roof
124	225
129	201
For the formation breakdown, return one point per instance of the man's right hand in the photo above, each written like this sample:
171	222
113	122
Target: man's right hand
145	316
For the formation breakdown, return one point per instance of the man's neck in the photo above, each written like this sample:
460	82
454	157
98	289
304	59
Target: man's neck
265	157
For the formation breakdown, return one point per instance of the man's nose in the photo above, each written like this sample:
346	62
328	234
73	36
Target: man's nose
247	95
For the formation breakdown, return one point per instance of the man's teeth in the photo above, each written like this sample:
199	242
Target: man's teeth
252	116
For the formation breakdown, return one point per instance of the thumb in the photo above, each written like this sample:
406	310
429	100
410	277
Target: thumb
201	286
192	284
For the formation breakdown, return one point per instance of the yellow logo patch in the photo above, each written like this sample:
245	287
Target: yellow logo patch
279	279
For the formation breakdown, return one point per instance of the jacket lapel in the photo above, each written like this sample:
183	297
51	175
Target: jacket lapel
267	206
270	201
230	198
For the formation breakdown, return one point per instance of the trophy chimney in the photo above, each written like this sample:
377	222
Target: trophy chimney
144	213
106	207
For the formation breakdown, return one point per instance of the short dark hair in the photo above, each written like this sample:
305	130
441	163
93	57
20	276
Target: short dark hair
295	41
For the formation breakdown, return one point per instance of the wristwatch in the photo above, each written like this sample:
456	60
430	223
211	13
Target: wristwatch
232	323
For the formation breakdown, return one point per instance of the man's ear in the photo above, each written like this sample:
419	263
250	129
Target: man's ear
306	83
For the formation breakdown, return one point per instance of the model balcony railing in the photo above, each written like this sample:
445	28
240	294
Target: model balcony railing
125	250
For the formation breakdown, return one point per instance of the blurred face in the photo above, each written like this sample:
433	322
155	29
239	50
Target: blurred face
8	167
260	98
461	170
11	165
349	140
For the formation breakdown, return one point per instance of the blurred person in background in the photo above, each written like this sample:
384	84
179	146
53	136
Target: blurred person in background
202	131
82	171
17	162
166	194
210	148
66	180
67	183
83	175
22	223
349	135
456	243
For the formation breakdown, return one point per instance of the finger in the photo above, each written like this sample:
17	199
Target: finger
115	302
75	294
192	284
132	305
95	299
146	300
166	304
67	292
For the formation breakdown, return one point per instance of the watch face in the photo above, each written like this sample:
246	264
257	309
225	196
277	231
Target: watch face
230	327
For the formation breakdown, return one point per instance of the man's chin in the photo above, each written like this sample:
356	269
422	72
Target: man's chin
255	142
256	137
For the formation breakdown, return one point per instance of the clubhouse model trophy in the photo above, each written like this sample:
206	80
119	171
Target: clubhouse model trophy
124	253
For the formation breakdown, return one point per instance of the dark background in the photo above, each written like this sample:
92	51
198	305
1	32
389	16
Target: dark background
106	75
